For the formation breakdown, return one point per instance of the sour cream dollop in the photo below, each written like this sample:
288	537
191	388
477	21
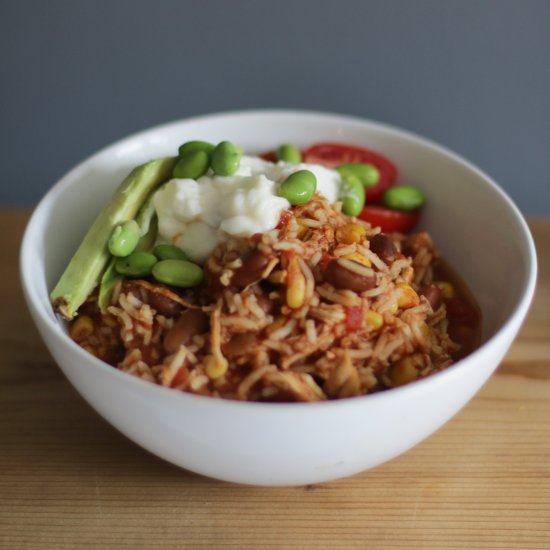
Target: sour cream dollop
197	215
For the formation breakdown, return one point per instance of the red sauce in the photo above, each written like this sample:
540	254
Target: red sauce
283	219
463	312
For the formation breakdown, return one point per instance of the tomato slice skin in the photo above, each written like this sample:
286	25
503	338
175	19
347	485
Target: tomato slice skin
270	156
391	221
334	154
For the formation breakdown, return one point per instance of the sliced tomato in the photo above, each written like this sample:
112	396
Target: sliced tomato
269	156
334	154
391	221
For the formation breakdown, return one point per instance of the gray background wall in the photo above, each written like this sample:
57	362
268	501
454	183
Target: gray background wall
473	75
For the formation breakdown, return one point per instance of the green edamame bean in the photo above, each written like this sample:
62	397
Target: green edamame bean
192	165
192	146
225	159
137	264
169	252
124	239
289	153
180	273
368	174
299	187
404	197
352	195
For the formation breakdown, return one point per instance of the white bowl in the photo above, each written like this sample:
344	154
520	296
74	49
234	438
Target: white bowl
473	222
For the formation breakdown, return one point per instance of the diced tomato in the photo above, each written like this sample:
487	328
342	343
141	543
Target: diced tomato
354	317
391	221
460	311
334	154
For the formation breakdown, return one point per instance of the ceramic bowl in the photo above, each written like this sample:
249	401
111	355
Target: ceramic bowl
473	222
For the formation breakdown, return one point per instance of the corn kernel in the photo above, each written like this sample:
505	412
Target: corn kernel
296	285
359	258
343	381
425	332
393	308
277	324
374	319
408	298
215	367
350	233
447	289
423	335
301	229
406	370
296	293
81	328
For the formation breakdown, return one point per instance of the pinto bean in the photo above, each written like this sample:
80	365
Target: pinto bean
433	294
190	323
164	305
340	277
251	271
240	344
384	247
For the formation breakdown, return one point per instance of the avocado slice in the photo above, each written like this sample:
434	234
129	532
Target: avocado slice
89	261
146	218
107	285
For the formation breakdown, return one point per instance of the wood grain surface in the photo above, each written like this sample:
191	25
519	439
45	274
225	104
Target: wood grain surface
69	480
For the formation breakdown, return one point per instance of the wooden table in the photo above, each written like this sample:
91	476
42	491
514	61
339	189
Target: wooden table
69	480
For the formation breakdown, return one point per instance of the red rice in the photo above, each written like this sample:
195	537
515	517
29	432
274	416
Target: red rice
310	353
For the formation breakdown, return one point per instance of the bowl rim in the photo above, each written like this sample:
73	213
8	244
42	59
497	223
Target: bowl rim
35	304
